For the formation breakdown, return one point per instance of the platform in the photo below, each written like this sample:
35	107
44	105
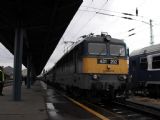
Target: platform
31	107
42	103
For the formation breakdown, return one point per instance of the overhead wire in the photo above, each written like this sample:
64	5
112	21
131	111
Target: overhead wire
111	15
99	9
72	26
128	33
81	28
122	13
88	21
75	22
124	17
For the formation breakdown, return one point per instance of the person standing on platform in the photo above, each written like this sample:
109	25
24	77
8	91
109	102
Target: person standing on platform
1	80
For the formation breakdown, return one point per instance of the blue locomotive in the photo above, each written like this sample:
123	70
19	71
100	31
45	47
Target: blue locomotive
144	69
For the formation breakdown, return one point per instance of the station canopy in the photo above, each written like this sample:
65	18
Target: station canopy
43	23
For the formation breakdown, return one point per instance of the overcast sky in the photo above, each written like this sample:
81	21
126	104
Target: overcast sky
96	16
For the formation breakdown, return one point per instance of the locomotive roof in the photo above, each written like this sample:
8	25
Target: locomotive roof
100	38
148	49
91	38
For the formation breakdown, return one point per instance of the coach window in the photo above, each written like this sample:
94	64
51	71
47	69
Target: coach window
156	62
143	63
97	49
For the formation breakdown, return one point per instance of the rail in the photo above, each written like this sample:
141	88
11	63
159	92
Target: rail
152	111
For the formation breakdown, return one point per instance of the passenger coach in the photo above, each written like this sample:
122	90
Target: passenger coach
144	67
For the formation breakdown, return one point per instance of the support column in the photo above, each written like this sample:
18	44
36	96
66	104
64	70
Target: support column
28	72
18	49
151	32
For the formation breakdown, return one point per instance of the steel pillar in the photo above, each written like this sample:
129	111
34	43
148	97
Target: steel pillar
18	50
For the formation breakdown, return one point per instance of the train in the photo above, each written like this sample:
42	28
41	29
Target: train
96	67
144	70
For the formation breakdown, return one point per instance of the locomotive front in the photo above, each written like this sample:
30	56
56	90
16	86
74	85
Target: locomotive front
104	64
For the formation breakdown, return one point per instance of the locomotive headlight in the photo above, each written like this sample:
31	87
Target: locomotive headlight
122	77
95	77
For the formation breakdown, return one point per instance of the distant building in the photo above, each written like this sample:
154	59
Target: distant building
24	72
8	71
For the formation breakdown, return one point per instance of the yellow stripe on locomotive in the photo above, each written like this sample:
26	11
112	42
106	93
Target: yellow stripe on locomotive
105	65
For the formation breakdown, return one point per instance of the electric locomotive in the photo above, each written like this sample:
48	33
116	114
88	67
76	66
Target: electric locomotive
144	68
98	66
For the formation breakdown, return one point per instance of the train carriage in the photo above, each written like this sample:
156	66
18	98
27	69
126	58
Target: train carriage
144	65
98	66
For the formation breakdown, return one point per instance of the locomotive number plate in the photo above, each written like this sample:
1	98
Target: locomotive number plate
107	61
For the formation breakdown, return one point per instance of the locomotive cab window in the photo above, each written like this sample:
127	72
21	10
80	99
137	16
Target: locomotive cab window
117	50
143	63
97	49
156	62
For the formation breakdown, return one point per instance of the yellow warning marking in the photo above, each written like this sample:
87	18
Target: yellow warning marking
88	109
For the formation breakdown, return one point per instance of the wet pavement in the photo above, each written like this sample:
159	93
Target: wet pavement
43	104
60	108
31	107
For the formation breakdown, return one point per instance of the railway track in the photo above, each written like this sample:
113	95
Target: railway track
119	110
123	110
151	111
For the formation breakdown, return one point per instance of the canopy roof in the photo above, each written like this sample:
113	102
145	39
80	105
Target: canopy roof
43	23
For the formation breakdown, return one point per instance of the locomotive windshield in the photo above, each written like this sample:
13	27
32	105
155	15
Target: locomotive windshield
97	49
117	50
